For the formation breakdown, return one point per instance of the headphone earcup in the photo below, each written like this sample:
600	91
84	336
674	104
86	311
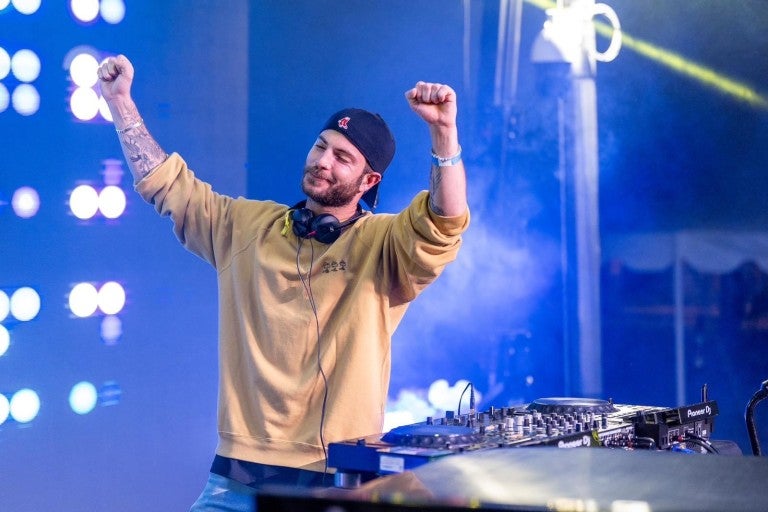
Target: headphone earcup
302	222
326	228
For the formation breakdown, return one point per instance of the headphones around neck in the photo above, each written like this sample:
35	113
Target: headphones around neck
325	228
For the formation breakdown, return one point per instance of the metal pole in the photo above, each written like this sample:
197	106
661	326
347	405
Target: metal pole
571	31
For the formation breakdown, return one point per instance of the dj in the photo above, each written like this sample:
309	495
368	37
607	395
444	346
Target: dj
309	295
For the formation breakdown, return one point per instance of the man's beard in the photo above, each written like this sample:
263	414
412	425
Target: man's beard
337	194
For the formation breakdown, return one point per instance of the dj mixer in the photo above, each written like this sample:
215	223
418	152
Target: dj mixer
555	422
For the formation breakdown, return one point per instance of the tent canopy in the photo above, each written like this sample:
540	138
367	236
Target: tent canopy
713	252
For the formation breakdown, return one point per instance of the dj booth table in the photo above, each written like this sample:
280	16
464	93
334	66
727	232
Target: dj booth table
555	454
546	478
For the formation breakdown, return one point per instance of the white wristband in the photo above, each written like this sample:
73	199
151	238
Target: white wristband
439	161
130	127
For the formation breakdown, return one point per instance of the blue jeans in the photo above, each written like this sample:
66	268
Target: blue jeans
224	495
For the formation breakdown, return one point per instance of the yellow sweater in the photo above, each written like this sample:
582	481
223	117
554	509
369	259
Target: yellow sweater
270	388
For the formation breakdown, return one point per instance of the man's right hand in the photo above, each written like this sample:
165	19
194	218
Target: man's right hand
115	77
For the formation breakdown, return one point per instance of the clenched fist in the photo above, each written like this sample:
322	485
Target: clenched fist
115	77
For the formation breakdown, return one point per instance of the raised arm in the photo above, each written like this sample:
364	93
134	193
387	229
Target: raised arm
141	150
436	105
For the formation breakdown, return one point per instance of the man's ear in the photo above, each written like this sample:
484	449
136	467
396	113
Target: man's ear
370	179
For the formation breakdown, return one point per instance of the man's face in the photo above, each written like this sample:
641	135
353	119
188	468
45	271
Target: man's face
334	174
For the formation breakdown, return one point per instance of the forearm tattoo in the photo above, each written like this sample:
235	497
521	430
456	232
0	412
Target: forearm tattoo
142	151
434	183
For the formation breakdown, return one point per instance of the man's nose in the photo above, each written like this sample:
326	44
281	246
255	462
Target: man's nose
325	158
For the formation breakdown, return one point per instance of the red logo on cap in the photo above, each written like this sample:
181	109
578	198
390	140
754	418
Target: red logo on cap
343	122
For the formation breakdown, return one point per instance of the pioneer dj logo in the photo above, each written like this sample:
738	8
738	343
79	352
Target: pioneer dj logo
704	411
575	443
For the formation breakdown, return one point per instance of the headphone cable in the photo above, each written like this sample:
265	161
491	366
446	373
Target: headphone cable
308	288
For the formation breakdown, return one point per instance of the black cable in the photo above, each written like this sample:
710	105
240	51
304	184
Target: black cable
700	442
705	442
308	288
749	417
469	384
647	442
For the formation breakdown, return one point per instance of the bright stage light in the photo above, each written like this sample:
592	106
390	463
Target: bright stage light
113	11
104	109
84	103
84	202
5	341
111	298
111	202
25	65
5	98
26	6
5	305
5	63
83	69
84	10
4	4
83	300
25	304
25	99
25	405
111	329
83	397
5	408
25	202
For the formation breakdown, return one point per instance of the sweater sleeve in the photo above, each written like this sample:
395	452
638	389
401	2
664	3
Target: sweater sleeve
200	216
420	244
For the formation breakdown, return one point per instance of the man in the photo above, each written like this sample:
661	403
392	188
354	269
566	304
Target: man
310	295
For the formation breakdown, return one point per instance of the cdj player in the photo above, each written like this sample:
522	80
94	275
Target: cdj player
558	422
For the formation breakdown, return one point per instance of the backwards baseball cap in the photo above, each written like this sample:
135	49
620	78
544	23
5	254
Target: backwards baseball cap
370	134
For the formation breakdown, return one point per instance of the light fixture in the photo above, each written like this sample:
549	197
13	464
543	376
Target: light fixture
24	405
83	397
112	11
26	6
111	329
25	304
25	202
111	298
83	300
25	66
84	202
25	99
5	408
84	11
112	201
5	305
5	341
